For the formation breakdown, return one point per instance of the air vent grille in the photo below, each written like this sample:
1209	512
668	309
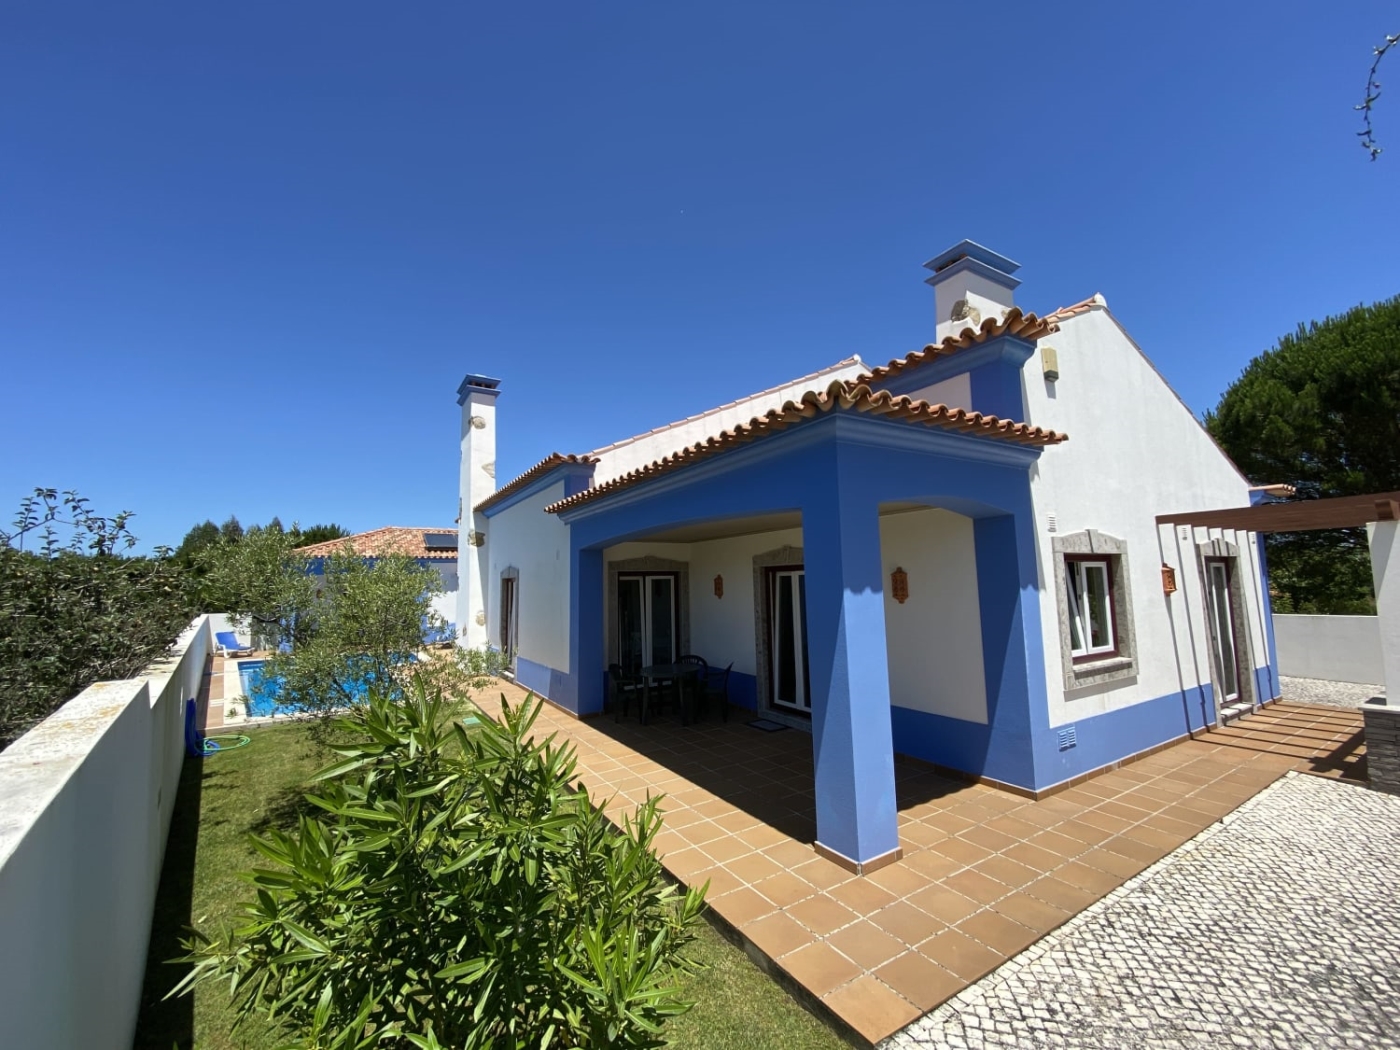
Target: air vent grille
1068	738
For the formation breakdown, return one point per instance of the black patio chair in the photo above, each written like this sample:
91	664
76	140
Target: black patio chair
691	683
624	689
717	688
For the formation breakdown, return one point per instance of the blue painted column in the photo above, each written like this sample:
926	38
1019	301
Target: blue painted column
586	663
852	742
1013	650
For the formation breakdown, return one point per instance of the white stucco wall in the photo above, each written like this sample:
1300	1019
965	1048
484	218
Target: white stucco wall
445	604
722	629
934	639
476	481
537	544
1335	648
1135	451
616	460
87	798
955	392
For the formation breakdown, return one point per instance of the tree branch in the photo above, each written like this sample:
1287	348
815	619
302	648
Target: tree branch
1373	93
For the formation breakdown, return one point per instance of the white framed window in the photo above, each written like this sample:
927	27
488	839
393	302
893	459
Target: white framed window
1089	591
1097	643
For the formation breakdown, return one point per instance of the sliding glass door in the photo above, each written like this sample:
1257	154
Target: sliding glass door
787	642
646	620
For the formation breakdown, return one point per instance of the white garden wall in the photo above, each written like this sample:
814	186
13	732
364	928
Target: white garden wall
87	799
1335	648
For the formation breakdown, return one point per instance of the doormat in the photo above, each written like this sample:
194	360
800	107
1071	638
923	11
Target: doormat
767	725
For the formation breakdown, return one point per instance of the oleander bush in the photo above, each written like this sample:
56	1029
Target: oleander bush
454	889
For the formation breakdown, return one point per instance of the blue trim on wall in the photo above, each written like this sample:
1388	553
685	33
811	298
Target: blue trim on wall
1099	740
997	272
743	690
557	686
576	477
475	384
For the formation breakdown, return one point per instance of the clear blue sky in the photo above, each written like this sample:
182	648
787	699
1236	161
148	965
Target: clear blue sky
248	251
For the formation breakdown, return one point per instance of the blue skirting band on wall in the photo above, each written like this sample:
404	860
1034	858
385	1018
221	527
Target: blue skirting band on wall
556	686
1098	741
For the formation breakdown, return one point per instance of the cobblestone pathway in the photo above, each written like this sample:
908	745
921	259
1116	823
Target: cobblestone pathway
1334	694
1279	927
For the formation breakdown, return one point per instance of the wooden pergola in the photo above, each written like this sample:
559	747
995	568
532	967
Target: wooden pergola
1379	510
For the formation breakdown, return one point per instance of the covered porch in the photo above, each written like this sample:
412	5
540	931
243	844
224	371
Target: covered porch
775	554
985	873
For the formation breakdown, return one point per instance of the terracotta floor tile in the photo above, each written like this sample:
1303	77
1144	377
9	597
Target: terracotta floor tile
932	865
948	822
944	904
721	880
1094	880
727	849
1036	858
1060	894
964	852
1004	936
1061	845
1031	913
777	934
754	867
822	873
742	905
822	914
1172	825
871	1007
918	835
683	863
1087	833
785	889
1132	814
1131	847
960	954
703	831
979	887
901	879
1041	816
985	837
762	836
820	968
910	924
1163	840
1113	863
867	944
920	980
790	854
1008	872
1014	826
1097	818
862	896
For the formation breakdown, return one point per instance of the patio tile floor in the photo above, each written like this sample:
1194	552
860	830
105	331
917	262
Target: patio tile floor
985	872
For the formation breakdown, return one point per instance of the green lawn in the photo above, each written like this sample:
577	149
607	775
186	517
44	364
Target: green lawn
225	797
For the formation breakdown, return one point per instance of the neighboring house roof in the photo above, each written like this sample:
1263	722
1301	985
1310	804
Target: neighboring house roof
1022	326
839	396
544	466
377	543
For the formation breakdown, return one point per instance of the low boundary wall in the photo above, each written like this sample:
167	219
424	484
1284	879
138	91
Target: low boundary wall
1334	648
85	804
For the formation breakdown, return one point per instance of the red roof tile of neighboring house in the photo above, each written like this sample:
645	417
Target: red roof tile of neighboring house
541	468
377	543
1022	326
843	396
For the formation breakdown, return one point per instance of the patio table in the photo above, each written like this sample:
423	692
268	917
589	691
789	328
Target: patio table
662	672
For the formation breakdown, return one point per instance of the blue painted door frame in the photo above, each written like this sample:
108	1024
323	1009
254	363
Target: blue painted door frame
836	471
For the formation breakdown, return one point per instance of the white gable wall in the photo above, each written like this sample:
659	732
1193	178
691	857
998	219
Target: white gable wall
615	461
525	538
1134	451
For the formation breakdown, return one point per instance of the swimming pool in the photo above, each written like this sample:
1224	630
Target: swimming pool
260	693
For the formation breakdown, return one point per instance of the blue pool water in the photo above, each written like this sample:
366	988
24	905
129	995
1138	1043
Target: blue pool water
261	693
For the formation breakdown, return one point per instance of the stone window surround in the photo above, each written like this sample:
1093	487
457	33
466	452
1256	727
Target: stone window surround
649	563
510	572
1122	664
785	555
1244	653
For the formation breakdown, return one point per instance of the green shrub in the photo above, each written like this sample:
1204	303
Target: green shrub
456	891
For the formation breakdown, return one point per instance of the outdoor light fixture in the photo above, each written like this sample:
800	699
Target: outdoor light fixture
1168	580
1050	362
899	585
719	586
475	539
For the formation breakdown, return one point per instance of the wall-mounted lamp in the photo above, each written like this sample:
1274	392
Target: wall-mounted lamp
1168	580
899	585
478	422
1050	362
719	586
475	539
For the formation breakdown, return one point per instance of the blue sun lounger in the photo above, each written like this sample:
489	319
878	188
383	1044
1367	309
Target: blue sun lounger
229	644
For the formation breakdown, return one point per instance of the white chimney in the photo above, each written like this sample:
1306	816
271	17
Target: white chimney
477	480
970	284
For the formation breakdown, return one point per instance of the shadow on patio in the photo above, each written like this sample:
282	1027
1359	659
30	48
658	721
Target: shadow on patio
985	873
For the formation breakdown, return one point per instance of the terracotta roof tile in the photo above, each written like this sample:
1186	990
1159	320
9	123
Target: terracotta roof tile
544	466
1023	326
843	396
393	539
1075	309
